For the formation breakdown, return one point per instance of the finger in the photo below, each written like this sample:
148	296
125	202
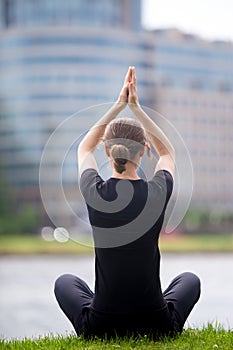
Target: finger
128	75
126	87
132	86
134	79
132	89
124	92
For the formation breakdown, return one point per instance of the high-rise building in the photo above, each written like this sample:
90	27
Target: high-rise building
59	57
125	14
193	88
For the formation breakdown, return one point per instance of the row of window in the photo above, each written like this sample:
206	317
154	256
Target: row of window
179	51
60	96
201	164
216	107
15	81
197	103
194	71
159	68
30	177
219	145
123	62
100	42
167	76
194	84
183	83
211	53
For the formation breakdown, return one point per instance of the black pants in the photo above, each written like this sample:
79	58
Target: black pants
74	297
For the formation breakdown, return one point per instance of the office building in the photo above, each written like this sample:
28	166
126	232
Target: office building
60	57
194	90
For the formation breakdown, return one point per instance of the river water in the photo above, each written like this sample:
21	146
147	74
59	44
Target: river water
28	306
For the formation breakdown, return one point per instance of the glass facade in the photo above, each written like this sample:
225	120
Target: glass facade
89	13
48	75
206	68
194	85
57	58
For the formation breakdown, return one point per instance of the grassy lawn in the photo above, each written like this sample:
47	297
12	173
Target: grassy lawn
32	244
209	338
197	243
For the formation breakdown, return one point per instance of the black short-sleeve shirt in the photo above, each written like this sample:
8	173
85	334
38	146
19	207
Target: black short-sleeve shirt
126	218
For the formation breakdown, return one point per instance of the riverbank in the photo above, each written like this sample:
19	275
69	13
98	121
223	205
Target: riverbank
29	308
169	243
208	338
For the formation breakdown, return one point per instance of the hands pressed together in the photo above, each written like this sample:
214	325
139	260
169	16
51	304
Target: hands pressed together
129	93
158	139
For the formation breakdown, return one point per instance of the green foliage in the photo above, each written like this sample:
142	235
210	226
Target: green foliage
6	200
28	219
23	221
208	338
13	219
207	220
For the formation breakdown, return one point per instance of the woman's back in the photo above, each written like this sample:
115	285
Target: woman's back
127	255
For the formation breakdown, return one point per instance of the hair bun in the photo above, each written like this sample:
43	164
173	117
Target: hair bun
119	151
120	155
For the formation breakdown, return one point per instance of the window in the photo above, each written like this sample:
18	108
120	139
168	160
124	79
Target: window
225	86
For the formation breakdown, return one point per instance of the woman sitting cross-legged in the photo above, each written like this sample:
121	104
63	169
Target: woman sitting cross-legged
126	213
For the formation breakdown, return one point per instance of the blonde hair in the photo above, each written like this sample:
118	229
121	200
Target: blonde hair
124	138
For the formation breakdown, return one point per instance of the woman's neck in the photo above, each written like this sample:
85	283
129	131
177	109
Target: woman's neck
130	172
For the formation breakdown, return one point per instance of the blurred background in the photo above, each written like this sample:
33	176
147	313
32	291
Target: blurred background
60	57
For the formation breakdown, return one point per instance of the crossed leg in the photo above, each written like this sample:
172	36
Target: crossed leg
73	295
181	296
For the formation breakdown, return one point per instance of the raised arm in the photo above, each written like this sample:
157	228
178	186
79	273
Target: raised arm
93	137
158	139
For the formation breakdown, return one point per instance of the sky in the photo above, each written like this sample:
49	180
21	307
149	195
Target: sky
210	19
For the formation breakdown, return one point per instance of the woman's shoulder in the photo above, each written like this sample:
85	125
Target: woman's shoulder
88	177
88	171
162	182
162	174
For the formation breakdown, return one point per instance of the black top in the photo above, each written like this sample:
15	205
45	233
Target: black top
126	218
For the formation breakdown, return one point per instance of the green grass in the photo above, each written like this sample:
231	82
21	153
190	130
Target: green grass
197	243
208	338
32	244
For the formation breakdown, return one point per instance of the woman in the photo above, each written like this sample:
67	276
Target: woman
126	214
